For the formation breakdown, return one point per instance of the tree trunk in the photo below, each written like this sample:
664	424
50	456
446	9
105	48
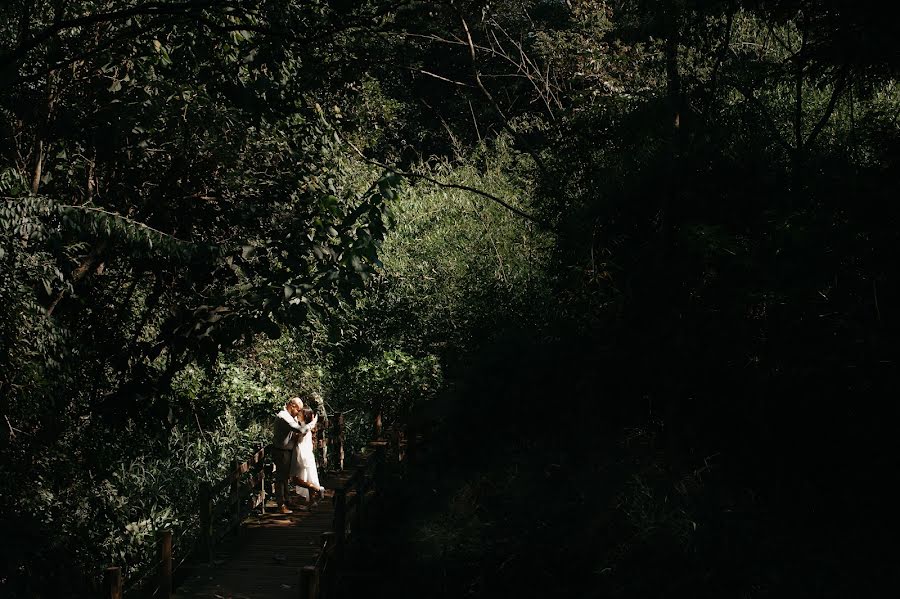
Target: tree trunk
38	167
676	107
798	161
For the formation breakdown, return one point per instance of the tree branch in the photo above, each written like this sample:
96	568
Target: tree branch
487	94
434	75
721	55
12	57
484	194
840	85
767	118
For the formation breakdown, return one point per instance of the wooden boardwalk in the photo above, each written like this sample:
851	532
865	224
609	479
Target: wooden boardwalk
265	558
242	553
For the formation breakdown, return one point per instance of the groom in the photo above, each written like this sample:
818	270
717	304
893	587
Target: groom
286	431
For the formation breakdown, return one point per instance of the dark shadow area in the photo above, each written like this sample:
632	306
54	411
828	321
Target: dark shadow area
586	500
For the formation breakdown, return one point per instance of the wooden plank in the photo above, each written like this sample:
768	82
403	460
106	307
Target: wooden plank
206	542
112	583
262	490
235	496
340	521
322	444
164	544
324	563
257	457
339	440
327	549
308	583
274	548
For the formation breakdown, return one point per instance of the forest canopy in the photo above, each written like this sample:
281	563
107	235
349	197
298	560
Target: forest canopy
671	223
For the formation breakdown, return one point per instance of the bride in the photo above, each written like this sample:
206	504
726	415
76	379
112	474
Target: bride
304	472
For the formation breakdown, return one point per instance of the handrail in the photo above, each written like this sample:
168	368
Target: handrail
256	484
350	498
350	504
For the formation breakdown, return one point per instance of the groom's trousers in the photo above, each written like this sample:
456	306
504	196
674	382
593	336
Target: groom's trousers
282	461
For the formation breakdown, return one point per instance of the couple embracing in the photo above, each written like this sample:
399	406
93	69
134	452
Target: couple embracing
293	452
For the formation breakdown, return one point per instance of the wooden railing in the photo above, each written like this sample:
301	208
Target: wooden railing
219	517
155	583
351	501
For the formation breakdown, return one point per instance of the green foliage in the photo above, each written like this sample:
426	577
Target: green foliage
187	237
119	491
717	177
393	382
172	193
457	266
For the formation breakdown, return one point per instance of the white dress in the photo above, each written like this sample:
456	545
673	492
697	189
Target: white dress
303	464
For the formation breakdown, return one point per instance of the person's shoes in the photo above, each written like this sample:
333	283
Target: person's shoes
285	510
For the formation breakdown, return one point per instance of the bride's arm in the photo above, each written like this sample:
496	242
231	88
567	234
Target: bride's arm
301	428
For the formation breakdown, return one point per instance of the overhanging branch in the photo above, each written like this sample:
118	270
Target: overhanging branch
410	175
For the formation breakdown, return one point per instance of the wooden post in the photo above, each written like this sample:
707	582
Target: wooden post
164	542
340	521
395	443
325	572
328	540
262	484
410	443
206	537
309	583
375	448
332	435
339	434
356	526
380	449
235	496
112	583
322	432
